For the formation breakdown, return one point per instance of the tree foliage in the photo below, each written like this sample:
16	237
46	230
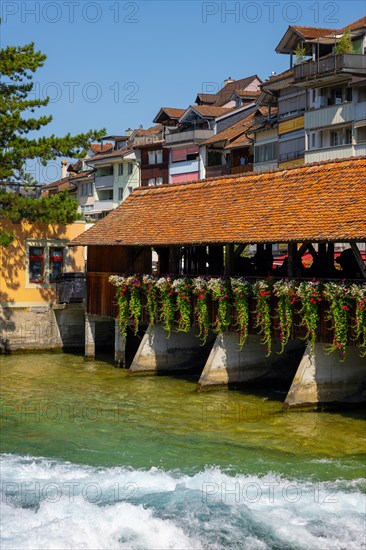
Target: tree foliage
60	208
6	237
345	44
17	67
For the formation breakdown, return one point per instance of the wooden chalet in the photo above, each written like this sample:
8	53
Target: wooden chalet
201	228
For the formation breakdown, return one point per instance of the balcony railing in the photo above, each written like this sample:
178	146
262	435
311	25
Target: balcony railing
101	206
103	181
218	170
147	140
326	65
327	116
189	136
335	152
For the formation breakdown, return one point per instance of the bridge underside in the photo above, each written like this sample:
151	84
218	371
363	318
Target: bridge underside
312	380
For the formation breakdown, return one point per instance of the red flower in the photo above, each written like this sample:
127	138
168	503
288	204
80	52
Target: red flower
345	307
201	296
263	292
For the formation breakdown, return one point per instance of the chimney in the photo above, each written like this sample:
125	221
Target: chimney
228	80
63	169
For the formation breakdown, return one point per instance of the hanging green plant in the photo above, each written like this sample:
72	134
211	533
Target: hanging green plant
183	290
286	294
221	292
199	286
263	321
135	305
151	292
358	293
340	302
122	299
167	311
242	291
310	295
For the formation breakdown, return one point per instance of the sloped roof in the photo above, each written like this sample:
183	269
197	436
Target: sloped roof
359	24
208	110
61	184
170	112
119	153
206	98
101	147
310	203
156	129
232	131
224	95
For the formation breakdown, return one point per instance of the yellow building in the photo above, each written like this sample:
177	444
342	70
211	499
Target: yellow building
38	254
29	315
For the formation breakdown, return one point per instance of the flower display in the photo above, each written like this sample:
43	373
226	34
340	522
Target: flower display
173	300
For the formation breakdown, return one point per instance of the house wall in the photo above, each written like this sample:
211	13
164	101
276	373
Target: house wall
15	289
127	182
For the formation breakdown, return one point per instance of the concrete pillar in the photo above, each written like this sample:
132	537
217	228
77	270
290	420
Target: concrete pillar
159	354
89	337
322	379
119	346
227	365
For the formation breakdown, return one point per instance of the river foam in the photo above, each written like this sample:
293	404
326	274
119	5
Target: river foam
59	505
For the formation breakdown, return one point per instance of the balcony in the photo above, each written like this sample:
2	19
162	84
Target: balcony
218	170
328	116
147	140
327	67
104	182
189	136
338	152
102	206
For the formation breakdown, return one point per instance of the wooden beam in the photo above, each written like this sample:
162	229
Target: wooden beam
292	260
229	256
239	249
359	259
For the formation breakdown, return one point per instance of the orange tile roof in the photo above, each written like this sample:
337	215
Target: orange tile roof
240	141
150	131
112	154
232	131
227	91
101	147
172	112
210	110
313	32
314	202
359	24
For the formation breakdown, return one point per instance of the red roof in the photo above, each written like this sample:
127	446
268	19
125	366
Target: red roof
317	202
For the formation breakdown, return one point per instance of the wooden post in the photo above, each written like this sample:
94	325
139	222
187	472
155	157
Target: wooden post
229	257
173	260
292	260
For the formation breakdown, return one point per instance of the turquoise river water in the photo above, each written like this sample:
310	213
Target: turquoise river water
93	458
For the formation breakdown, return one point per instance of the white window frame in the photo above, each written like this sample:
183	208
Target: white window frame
46	244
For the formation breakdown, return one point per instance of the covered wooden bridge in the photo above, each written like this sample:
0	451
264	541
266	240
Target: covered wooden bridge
202	228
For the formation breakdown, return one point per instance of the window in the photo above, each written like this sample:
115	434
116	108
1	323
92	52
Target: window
120	193
155	157
348	94
56	262
159	181
152	181
362	93
130	168
36	264
120	169
110	195
264	153
336	96
336	138
185	153
105	171
313	141
45	261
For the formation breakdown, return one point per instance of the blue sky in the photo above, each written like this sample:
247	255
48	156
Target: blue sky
114	63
